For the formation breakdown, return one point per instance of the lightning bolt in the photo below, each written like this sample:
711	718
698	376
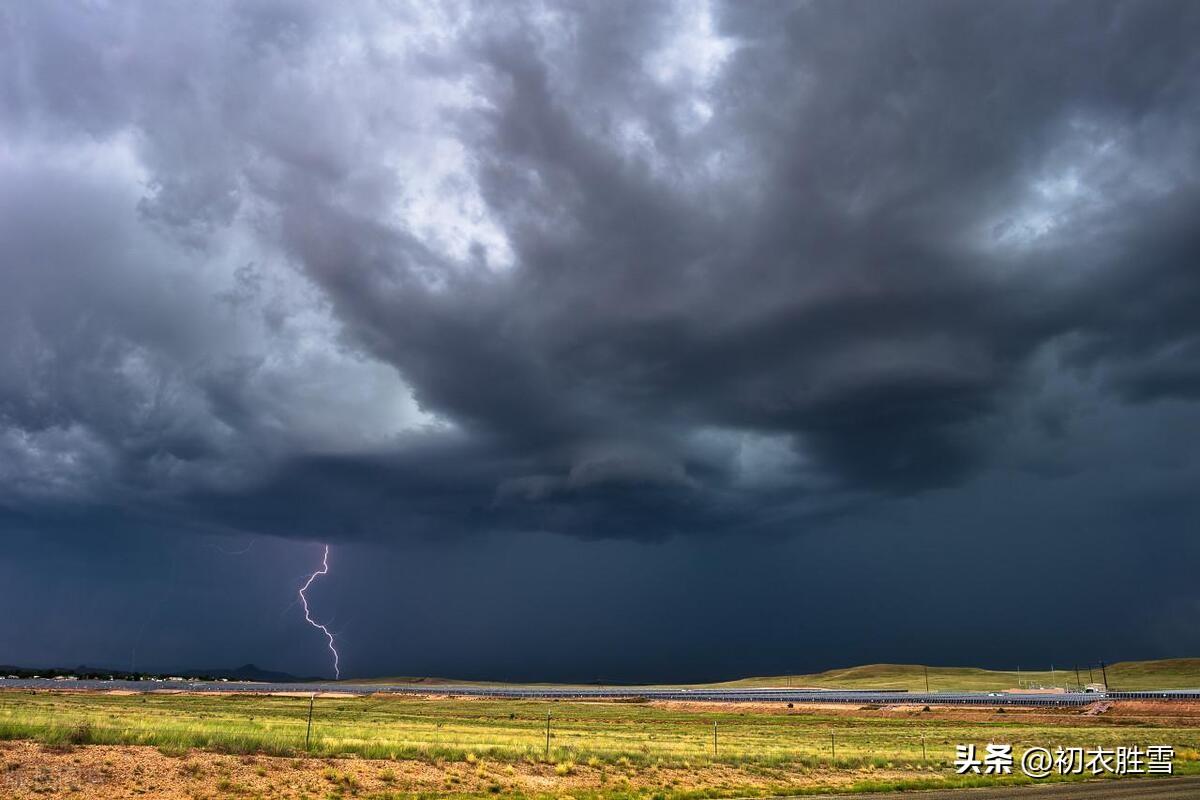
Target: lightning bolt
324	570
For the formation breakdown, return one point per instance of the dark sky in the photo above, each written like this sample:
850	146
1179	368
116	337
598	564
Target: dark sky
631	341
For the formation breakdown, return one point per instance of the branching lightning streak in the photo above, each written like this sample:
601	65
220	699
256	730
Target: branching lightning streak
324	570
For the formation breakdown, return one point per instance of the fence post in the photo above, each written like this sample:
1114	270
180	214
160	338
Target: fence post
714	738
547	735
308	733
833	744
923	757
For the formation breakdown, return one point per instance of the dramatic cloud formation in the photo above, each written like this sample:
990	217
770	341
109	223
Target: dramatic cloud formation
644	271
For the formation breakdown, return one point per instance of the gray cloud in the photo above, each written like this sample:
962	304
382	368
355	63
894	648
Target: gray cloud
361	272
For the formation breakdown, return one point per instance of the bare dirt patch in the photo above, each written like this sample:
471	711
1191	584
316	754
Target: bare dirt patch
29	770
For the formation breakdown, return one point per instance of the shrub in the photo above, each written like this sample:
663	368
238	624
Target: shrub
80	734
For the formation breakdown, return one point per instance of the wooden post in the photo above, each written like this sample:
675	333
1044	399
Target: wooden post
308	733
833	744
714	738
547	735
923	756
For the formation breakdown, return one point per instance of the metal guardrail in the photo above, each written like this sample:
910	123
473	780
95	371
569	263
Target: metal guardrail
1175	694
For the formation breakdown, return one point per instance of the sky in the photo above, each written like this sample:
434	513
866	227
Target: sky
599	341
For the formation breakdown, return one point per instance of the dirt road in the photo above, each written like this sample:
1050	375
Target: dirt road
1184	788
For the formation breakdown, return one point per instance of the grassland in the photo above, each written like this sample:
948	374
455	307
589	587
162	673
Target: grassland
1176	673
759	749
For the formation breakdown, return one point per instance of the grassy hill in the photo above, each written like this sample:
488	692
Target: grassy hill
1174	673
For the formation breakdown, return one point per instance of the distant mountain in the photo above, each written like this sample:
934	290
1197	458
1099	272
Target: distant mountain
250	672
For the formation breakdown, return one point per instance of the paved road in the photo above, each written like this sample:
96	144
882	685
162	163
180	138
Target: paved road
1184	788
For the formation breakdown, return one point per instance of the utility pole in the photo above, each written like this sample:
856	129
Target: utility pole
547	735
926	680
1104	671
1019	686
1091	678
1078	682
308	733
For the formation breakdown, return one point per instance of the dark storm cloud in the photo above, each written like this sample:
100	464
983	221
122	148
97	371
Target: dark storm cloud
633	272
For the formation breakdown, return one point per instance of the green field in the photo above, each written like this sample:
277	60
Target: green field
379	747
617	749
390	727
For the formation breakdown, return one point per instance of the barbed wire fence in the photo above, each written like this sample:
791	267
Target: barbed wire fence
552	733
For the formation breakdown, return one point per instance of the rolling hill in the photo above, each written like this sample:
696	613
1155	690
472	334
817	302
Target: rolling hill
1175	673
